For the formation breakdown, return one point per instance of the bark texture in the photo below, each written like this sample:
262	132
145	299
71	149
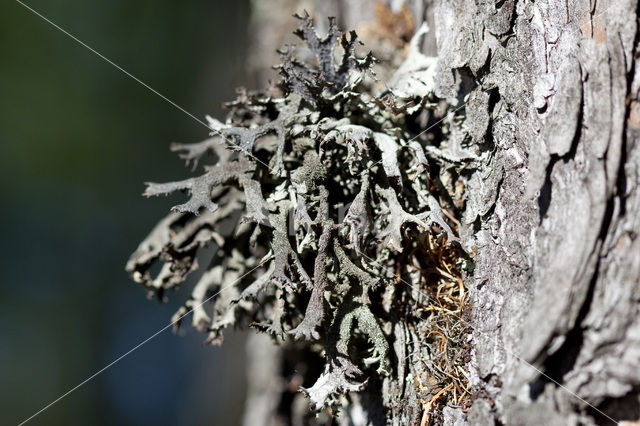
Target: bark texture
551	208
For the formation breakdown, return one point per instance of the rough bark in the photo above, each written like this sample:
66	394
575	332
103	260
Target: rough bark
557	253
552	212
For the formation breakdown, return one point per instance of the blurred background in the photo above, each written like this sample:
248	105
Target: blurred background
78	140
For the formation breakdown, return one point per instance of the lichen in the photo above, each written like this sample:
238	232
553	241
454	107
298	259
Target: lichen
316	198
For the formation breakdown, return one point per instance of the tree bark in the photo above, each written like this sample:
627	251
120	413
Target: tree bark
552	208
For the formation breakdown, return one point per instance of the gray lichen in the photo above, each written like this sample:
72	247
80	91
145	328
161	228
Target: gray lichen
318	202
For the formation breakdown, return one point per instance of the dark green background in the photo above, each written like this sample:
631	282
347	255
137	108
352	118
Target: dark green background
78	140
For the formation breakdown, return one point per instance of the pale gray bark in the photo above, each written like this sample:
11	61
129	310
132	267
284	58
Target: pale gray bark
553	210
558	258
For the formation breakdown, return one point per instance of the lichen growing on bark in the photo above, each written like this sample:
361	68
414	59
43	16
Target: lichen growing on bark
322	204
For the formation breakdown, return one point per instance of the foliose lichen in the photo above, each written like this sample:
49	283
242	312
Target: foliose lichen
316	198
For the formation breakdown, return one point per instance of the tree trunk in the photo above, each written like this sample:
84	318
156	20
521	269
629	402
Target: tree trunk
551	208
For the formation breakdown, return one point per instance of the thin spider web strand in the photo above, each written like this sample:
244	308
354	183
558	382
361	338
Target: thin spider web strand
139	345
